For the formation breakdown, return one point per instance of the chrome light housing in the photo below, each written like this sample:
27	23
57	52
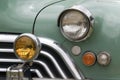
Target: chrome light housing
27	47
76	23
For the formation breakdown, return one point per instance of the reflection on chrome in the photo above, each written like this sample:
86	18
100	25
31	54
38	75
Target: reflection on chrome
52	44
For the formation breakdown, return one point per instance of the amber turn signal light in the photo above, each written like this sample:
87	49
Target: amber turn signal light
88	58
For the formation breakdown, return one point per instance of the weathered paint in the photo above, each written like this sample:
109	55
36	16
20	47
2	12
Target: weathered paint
17	16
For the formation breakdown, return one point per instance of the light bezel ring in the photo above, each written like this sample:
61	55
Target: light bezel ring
108	57
93	54
86	14
36	42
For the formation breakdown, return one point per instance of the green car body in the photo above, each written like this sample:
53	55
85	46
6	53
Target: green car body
17	16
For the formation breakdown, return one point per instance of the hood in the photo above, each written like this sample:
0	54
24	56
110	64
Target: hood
17	16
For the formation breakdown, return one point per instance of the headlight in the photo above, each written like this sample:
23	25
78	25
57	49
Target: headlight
76	23
27	47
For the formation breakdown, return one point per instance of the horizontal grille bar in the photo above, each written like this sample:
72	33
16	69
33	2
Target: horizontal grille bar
53	61
32	70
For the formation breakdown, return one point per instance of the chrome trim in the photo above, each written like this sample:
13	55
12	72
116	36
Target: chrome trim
7	38
6	50
55	63
36	42
35	61
75	72
103	58
13	73
53	79
47	55
3	69
46	67
37	72
11	60
71	66
83	11
33	70
48	79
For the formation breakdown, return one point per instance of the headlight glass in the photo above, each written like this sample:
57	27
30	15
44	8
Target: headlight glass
74	24
26	47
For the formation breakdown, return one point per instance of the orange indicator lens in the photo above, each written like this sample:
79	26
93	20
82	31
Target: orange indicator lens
88	58
25	48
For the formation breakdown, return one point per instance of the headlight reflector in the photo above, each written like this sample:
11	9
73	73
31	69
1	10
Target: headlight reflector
27	47
76	23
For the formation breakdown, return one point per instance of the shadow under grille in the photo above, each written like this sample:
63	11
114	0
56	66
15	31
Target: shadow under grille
51	62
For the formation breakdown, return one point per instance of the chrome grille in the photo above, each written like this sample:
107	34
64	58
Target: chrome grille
53	61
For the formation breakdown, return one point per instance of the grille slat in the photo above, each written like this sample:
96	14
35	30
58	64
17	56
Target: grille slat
5	51
55	63
52	59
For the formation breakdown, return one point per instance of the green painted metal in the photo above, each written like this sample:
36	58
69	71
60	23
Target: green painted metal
17	16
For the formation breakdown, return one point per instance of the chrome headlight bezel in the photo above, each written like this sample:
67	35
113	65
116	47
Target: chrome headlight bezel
36	43
86	14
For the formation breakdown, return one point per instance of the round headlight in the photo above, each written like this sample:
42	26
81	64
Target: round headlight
27	47
76	23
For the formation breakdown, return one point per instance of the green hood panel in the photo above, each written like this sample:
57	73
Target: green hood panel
17	16
47	21
105	37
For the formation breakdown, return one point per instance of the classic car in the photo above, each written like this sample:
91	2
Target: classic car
59	39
